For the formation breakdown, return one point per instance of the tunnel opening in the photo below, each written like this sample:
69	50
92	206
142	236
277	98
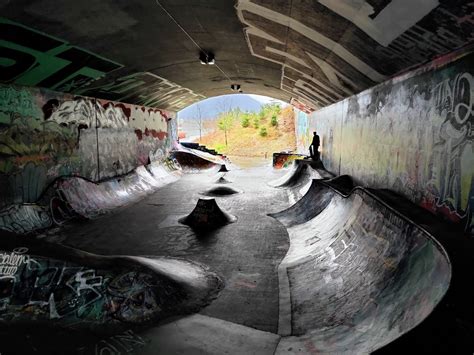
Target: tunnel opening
248	129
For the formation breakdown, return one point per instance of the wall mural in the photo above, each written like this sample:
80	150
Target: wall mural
44	135
413	134
32	58
285	160
42	289
143	89
345	47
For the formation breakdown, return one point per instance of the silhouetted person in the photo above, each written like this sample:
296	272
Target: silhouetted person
314	147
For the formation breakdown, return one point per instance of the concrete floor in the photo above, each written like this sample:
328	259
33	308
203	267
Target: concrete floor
245	254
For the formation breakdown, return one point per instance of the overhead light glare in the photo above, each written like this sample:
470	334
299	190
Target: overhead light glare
206	58
235	87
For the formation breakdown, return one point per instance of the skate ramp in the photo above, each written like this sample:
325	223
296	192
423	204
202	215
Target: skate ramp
72	196
314	201
57	286
357	275
298	178
89	199
193	160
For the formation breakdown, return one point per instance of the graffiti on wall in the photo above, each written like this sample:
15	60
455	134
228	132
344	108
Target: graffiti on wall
345	47
32	58
413	134
302	132
285	160
23	219
35	288
144	89
44	135
452	176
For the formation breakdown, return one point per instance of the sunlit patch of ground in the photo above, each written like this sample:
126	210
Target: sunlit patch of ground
248	142
250	162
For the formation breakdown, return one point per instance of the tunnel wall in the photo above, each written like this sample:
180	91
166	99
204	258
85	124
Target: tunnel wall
46	134
413	134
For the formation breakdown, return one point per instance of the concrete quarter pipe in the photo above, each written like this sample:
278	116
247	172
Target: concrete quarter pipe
357	275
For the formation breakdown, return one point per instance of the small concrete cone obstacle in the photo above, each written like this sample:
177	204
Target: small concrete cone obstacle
223	169
207	215
223	180
220	191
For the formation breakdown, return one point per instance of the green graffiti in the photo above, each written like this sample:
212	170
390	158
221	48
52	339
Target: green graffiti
20	101
29	57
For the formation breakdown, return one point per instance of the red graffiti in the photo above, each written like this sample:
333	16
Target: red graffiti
139	134
125	108
443	209
151	132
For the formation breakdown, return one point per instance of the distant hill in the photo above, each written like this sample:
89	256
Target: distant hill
212	107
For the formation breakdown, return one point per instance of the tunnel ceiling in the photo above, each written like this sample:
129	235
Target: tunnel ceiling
311	53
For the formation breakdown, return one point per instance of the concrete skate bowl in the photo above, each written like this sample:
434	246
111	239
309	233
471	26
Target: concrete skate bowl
299	177
65	288
358	274
88	199
74	196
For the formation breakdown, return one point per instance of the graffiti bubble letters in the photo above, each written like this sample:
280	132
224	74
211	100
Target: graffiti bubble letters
455	97
9	263
40	60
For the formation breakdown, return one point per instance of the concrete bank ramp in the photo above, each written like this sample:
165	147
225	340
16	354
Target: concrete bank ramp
298	178
193	160
56	286
357	275
89	199
72	196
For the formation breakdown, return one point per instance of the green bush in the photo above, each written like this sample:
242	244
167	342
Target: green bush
274	121
219	147
256	122
263	132
245	121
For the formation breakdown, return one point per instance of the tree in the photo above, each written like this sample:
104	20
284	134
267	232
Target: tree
263	132
225	123
198	120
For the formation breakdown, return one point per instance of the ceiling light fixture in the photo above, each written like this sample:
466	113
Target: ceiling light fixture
235	87
207	58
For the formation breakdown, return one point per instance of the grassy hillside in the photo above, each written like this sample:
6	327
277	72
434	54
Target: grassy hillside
255	135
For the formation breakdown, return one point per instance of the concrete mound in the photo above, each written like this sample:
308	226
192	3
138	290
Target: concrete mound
358	274
57	286
219	191
223	180
207	215
223	169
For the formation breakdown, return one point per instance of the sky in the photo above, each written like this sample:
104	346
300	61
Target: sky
210	108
